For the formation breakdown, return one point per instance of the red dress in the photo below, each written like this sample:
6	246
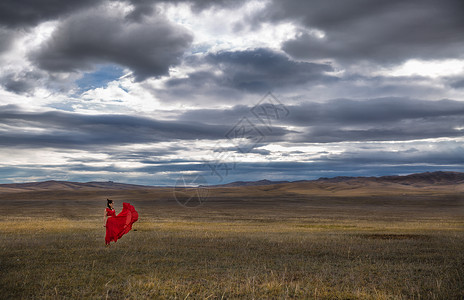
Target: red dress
119	225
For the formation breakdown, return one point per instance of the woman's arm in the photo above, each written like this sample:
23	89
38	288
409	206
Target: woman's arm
105	216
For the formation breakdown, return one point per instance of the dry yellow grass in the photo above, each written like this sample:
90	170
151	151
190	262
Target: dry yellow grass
178	259
244	243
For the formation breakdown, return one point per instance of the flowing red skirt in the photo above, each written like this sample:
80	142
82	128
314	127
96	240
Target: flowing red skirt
119	225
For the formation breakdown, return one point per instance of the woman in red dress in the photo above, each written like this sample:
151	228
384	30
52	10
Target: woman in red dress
120	224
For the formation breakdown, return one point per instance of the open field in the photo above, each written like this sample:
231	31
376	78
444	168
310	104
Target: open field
253	242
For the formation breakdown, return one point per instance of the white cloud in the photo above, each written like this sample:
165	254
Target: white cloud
426	68
217	29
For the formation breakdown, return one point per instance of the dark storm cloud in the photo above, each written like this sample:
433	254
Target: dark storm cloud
384	119
344	111
96	36
258	70
380	31
77	131
15	13
373	111
402	132
262	69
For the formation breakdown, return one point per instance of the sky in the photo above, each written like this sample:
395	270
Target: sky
160	92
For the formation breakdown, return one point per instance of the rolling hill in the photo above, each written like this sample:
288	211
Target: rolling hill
53	185
429	182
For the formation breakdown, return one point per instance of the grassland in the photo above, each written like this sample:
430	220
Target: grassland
241	243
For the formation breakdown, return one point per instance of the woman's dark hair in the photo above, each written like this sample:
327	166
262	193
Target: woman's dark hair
108	201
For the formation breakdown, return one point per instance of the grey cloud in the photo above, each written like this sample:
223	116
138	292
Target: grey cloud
27	80
6	37
141	9
154	153
77	131
146	7
263	69
15	13
457	84
74	130
255	150
400	132
257	70
216	116
205	4
364	85
380	31
445	156
343	111
20	83
376	163
373	111
386	119
338	120
358	162
347	163
12	84
148	47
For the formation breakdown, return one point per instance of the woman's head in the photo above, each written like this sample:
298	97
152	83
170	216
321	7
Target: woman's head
109	203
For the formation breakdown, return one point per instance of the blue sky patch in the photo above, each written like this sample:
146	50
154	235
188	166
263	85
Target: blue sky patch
99	78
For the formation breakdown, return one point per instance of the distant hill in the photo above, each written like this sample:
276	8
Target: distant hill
250	183
428	183
427	178
336	186
439	177
68	186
